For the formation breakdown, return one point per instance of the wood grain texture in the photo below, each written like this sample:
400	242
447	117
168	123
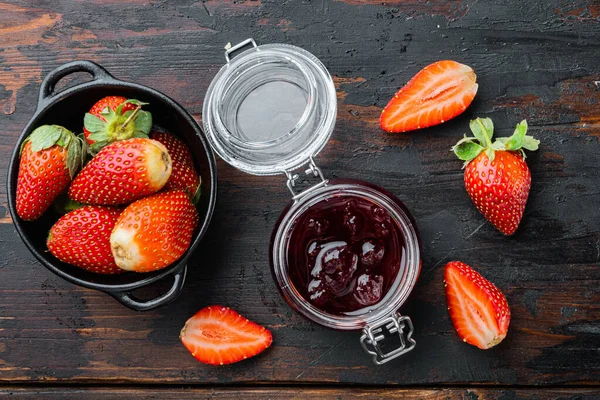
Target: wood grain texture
537	60
297	393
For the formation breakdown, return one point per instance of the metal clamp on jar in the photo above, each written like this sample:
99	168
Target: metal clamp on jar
345	253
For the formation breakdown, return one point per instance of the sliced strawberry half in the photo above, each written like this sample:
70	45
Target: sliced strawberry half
479	311
218	335
438	92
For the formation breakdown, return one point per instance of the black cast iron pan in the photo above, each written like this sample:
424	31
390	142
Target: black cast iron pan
67	108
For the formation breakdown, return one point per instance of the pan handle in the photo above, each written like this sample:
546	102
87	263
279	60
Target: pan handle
129	301
50	81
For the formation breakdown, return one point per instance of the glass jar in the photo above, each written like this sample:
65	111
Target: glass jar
270	110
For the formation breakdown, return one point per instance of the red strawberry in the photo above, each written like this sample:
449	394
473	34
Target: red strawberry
478	310
496	175
438	92
50	158
122	172
115	118
184	175
82	238
218	335
154	232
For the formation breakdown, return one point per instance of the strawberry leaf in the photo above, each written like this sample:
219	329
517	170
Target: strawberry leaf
98	137
135	102
143	123
530	143
499	145
490	153
198	193
94	124
108	114
483	130
85	148
466	149
74	156
516	141
45	137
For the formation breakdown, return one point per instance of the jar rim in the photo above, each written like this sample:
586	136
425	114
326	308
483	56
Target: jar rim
309	78
403	283
289	150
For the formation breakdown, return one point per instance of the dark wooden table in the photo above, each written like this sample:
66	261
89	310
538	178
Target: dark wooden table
538	60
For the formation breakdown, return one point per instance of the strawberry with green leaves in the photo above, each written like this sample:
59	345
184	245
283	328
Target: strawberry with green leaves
497	177
82	238
115	118
50	158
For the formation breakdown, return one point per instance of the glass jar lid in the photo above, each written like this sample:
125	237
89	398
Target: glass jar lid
270	108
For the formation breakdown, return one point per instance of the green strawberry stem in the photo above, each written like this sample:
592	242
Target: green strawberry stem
483	131
128	120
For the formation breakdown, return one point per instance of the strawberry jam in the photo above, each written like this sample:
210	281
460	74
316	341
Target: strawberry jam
344	254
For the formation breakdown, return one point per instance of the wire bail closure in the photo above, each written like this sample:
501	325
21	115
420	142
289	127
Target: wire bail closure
373	337
238	46
312	170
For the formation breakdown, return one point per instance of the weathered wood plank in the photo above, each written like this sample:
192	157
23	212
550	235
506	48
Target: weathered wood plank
298	393
537	60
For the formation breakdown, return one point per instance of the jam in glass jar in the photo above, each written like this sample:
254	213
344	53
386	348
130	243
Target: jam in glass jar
344	253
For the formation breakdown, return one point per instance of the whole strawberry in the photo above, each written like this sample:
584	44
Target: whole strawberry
184	175
82	238
497	177
122	172
478	309
115	118
153	232
50	158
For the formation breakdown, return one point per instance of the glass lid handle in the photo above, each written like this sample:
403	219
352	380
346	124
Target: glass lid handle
394	325
238	46
312	170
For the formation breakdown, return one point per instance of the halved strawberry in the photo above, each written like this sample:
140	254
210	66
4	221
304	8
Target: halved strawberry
437	93
218	335
478	310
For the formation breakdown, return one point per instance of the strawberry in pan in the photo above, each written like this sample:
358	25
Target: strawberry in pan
438	93
50	158
154	232
122	172
115	118
82	238
184	175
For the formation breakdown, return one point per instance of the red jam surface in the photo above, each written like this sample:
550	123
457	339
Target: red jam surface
344	255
